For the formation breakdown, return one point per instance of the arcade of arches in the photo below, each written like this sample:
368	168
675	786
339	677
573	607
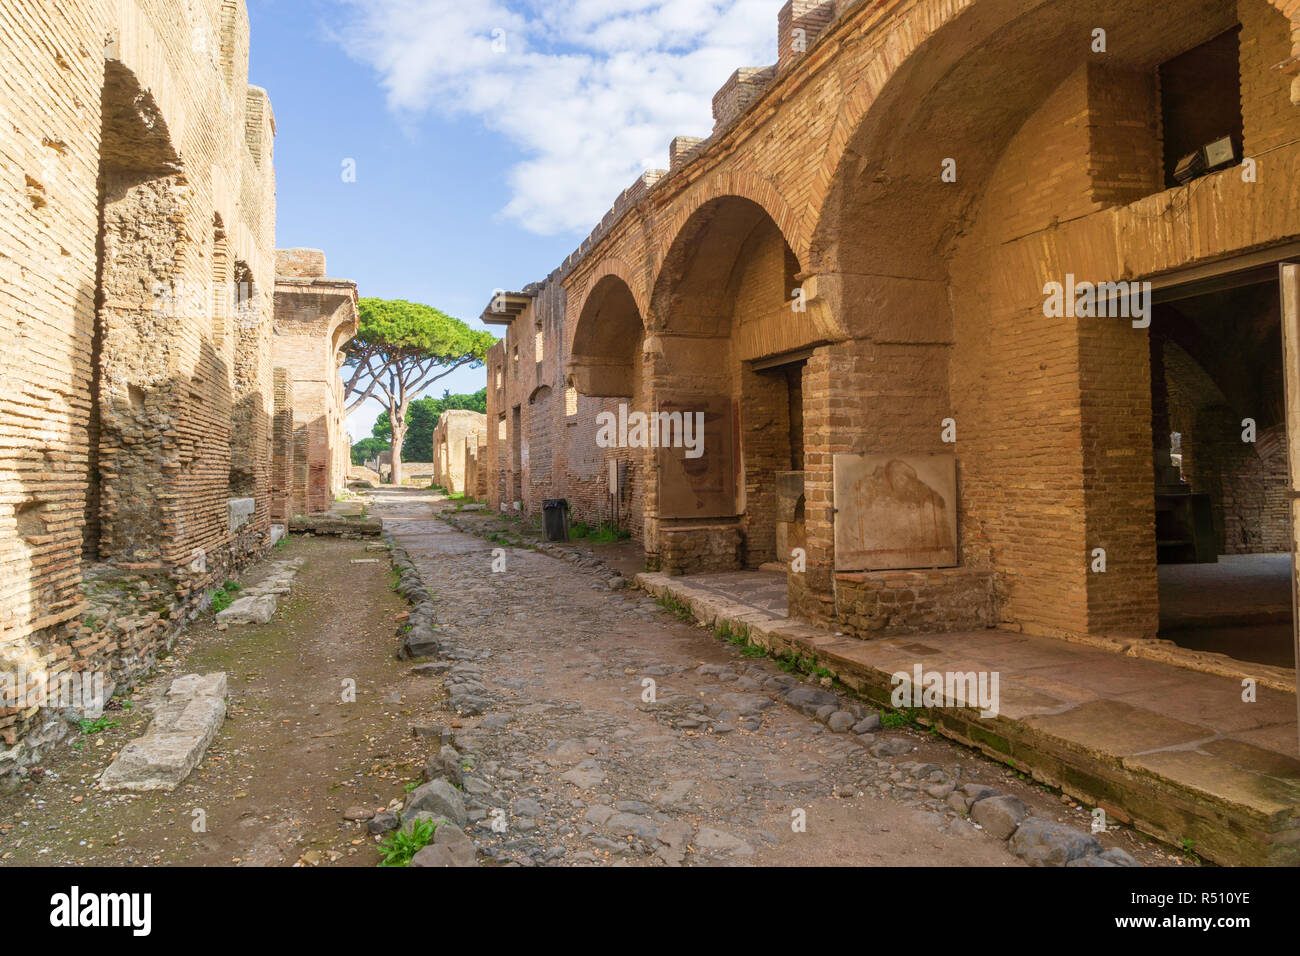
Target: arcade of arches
847	283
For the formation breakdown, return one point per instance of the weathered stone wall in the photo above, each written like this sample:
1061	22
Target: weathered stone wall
314	318
457	432
136	262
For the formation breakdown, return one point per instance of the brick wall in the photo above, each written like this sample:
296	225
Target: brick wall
455	435
925	296
120	428
314	318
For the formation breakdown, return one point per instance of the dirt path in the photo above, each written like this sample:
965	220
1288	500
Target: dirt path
578	767
290	758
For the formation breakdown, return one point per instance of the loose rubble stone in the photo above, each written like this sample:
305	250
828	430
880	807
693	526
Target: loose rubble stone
867	725
1042	842
999	816
437	797
447	765
840	721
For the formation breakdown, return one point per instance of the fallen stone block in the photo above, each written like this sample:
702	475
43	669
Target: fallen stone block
185	724
254	609
341	527
199	685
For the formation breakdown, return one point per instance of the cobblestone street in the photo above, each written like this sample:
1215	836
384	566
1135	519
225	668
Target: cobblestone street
546	667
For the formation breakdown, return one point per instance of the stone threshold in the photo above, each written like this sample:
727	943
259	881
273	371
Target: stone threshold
1173	752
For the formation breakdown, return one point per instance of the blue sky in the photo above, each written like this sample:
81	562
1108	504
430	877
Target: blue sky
489	136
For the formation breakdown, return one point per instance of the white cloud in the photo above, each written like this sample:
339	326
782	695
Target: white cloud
590	91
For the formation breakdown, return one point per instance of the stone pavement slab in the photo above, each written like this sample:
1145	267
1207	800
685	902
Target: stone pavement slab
185	723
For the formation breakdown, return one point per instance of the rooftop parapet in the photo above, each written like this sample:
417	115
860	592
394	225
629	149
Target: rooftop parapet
798	25
741	89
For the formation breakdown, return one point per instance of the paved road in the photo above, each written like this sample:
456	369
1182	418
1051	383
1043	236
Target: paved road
714	770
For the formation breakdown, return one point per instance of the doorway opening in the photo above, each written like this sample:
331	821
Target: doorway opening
771	413
1219	432
516	458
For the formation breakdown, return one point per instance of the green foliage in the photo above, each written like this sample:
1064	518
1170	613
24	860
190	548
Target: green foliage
603	533
221	599
399	327
398	847
899	719
368	448
675	607
422	417
91	727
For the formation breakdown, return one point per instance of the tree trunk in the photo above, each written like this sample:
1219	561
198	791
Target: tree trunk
398	418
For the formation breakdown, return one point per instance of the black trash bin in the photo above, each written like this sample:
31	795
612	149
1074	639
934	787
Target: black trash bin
555	519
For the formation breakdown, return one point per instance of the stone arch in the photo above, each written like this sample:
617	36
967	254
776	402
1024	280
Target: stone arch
723	185
606	349
700	263
724	300
999	86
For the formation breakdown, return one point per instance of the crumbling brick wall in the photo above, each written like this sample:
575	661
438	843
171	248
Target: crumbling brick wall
456	433
139	173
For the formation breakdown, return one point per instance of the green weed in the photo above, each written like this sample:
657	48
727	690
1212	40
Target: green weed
91	727
398	847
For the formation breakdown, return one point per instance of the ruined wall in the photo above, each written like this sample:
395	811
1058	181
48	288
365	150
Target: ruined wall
456	434
314	318
137	186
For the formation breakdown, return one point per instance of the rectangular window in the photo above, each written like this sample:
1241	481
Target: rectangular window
1200	100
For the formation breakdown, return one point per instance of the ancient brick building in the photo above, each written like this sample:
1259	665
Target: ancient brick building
858	284
456	448
136	272
314	318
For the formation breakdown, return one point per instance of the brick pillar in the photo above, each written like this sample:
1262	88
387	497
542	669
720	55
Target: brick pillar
282	447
